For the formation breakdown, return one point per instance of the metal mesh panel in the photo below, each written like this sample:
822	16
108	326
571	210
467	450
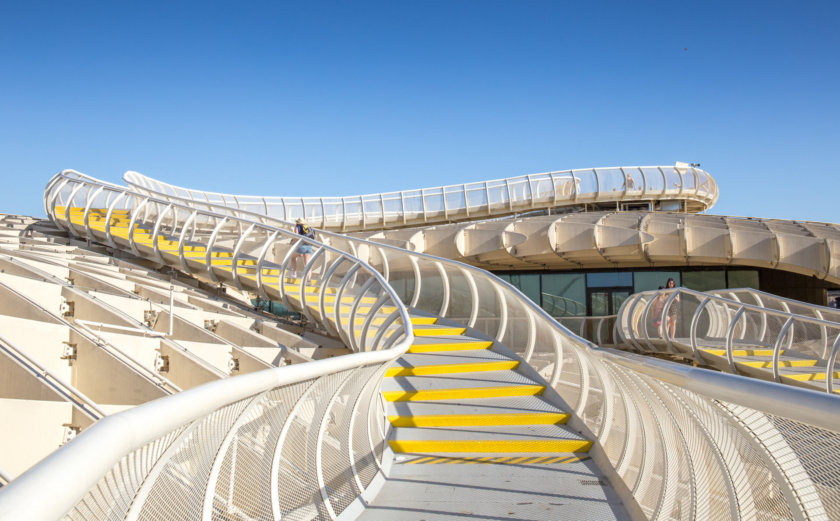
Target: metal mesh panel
299	496
244	483
178	490
335	460
364	457
111	498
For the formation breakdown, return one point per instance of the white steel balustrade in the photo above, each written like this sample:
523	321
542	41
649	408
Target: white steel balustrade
257	257
470	201
675	444
738	331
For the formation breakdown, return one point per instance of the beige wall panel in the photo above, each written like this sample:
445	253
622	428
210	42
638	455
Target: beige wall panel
805	255
573	240
61	272
13	304
241	336
42	341
823	230
185	372
18	383
538	237
37	432
45	294
707	244
106	380
756	247
98	282
250	362
621	243
669	244
440	241
217	355
834	268
87	308
480	241
133	307
141	348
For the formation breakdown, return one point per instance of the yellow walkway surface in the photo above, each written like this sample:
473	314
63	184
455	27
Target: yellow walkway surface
475	438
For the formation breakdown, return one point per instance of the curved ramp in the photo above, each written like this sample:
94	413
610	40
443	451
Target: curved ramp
308	440
740	331
684	187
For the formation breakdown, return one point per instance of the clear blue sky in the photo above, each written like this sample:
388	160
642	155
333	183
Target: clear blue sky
341	98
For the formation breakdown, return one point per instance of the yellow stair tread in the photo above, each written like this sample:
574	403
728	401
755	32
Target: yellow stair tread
463	393
474	420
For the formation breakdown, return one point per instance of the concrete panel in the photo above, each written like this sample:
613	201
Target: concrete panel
185	372
45	294
42	341
37	432
106	379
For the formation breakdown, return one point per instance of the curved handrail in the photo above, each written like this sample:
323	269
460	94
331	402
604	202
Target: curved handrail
469	201
80	465
216	224
122	441
520	322
633	416
731	319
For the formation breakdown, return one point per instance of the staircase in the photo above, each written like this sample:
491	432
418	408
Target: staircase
473	435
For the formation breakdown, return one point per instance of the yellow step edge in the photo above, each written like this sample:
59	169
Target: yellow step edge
810	377
361	311
450	346
741	352
439	331
782	363
476	420
426	370
488	446
380	320
423	321
498	460
468	392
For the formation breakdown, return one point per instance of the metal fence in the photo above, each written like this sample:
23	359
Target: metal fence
466	201
741	331
676	442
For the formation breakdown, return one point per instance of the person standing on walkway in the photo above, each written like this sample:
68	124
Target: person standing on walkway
304	249
671	317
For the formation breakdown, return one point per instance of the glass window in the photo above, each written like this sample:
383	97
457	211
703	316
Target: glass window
608	280
529	284
704	280
564	294
648	280
743	279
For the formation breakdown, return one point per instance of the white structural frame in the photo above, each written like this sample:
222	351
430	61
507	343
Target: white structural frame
727	318
616	398
479	200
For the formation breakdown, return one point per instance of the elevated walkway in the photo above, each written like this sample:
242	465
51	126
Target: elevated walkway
743	331
679	187
643	438
452	398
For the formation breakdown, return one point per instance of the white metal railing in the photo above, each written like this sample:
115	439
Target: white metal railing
467	201
254	256
302	441
597	329
687	322
672	447
310	435
675	445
